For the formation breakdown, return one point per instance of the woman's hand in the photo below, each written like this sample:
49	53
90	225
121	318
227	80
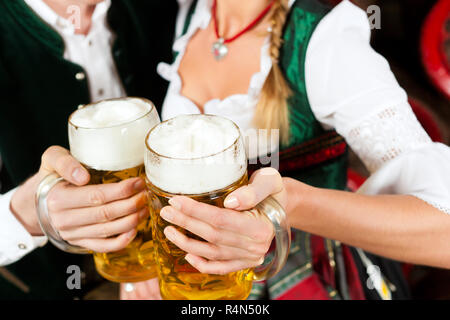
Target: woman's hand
102	218
146	290
236	240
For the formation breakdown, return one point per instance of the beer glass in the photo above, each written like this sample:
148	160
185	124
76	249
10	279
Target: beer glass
107	138
202	157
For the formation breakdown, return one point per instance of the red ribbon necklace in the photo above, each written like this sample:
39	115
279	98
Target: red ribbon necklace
219	48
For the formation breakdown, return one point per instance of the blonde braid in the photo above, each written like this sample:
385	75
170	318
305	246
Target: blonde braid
272	109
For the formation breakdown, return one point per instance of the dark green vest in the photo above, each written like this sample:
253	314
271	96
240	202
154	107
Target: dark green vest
301	22
39	89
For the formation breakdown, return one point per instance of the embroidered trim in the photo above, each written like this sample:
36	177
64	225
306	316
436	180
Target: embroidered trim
386	135
313	152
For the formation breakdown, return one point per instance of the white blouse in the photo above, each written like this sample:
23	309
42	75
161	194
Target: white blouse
352	89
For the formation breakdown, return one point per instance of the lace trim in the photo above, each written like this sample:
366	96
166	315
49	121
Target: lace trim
435	204
439	207
386	135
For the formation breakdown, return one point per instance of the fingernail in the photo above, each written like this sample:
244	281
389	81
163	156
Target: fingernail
168	232
79	175
166	213
231	202
139	185
175	203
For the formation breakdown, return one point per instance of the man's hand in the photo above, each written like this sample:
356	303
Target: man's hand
102	218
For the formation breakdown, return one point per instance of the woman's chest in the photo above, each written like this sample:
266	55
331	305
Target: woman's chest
205	78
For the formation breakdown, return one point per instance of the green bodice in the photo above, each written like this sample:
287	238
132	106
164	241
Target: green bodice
303	19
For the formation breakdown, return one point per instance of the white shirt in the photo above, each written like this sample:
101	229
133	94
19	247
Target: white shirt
352	89
93	53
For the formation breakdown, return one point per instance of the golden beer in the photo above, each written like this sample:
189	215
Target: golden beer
112	151
179	280
136	261
202	157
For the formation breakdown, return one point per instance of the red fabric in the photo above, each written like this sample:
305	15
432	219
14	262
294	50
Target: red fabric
356	290
354	180
321	261
314	158
407	269
310	288
314	286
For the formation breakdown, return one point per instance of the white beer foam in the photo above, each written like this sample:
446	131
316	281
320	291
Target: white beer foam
109	113
110	135
194	154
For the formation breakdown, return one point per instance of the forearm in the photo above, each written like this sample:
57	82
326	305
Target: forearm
400	227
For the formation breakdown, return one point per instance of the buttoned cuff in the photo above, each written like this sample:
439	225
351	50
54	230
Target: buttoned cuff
15	240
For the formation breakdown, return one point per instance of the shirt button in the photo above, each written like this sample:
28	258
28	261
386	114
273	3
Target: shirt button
100	92
90	43
80	76
62	23
22	246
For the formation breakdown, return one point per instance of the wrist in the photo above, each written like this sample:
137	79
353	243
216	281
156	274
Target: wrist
300	202
23	206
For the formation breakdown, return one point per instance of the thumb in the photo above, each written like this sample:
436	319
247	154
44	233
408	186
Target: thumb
59	160
263	183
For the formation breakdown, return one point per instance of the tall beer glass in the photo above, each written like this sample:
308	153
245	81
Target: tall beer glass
108	138
202	157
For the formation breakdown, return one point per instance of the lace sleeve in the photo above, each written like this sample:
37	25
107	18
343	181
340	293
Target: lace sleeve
386	135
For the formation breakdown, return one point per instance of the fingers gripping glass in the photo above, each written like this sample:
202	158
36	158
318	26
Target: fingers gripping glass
208	178
107	138
44	218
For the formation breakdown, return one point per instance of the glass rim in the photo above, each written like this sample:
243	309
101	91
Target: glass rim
147	101
197	158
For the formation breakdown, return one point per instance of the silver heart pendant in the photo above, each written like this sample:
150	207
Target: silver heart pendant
219	49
